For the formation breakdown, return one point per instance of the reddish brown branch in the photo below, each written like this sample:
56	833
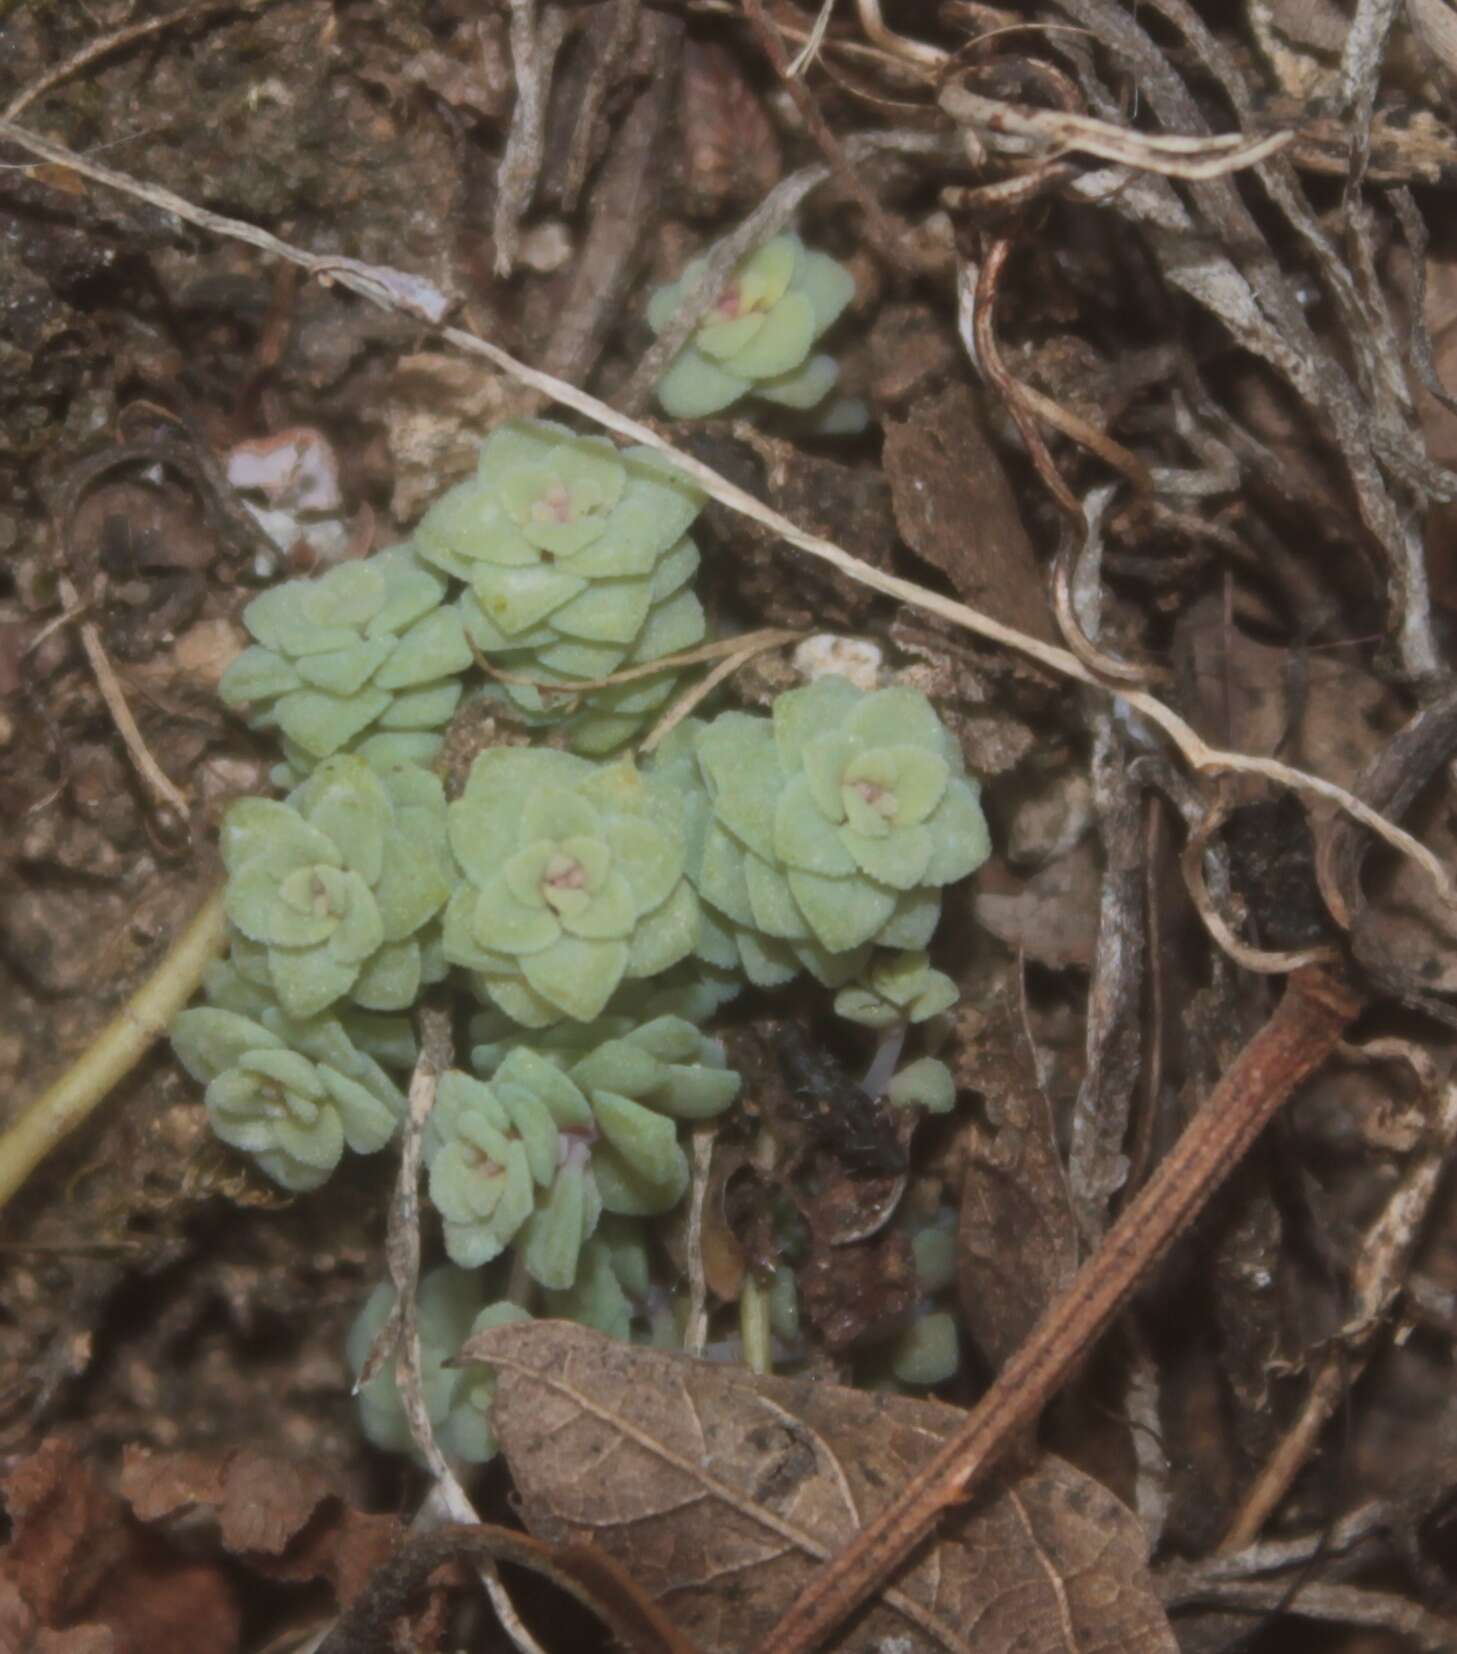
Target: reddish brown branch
1300	1035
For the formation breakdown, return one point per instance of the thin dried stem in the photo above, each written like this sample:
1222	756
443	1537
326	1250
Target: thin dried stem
401	1332
413	295
163	793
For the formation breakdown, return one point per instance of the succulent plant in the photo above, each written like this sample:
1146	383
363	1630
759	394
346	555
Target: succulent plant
339	882
457	1399
573	882
370	644
928	1351
926	1083
897	989
293	1110
758	336
241	983
509	1159
689	991
577	562
667	1064
613	1278
829	827
531	1157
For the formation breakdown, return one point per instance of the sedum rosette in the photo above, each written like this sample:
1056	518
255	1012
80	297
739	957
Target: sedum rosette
573	882
339	882
577	562
448	1312
758	337
369	645
637	1080
508	1165
292	1096
825	829
533	1156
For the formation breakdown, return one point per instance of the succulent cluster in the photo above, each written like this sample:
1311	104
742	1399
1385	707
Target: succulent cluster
758	337
370	645
591	912
292	1096
824	829
577	562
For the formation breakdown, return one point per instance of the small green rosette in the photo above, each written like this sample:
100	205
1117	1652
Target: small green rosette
370	646
824	830
574	882
338	884
759	337
577	563
293	1097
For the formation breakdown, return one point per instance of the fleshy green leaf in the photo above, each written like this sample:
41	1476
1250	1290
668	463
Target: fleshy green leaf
575	975
842	913
827	284
802	387
434	647
207	1040
321	723
804	837
694	387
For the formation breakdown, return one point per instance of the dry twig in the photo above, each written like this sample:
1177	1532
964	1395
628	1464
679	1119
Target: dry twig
400	1333
413	295
1297	1039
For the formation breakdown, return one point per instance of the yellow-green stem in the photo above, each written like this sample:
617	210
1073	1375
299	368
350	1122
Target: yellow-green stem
754	1325
112	1055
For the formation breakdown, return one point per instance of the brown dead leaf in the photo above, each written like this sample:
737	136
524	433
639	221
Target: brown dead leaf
80	1577
66	1528
1017	1240
267	1502
721	1492
955	507
1327	712
286	1519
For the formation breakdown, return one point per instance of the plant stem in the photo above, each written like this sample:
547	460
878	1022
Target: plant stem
1300	1035
112	1055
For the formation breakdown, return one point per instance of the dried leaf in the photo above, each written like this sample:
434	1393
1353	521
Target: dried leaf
1017	1239
80	1577
955	507
721	1492
287	1519
66	1531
